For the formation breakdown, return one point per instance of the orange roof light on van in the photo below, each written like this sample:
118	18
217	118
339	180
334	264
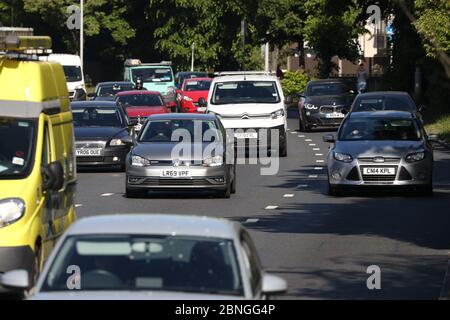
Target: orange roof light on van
25	44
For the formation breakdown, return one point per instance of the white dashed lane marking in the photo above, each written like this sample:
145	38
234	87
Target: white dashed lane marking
312	144
320	161
316	149
251	221
308	140
271	207
313	176
302	186
78	205
106	194
319	154
318	168
288	195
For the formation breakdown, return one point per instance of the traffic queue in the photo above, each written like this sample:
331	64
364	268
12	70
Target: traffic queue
167	135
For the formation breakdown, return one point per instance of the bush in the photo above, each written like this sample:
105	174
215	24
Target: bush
294	82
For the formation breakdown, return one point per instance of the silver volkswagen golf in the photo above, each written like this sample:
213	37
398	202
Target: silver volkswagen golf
384	148
180	151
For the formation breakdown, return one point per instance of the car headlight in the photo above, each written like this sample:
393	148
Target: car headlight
138	161
11	210
213	161
310	106
342	157
116	142
186	98
414	157
277	114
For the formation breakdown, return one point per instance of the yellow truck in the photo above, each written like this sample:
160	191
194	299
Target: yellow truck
37	155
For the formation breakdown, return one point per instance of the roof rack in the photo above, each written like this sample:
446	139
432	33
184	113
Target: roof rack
244	73
137	62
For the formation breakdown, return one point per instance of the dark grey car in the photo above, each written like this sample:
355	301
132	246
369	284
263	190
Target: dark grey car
181	151
384	148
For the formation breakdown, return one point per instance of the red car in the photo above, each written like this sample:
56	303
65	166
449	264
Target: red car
192	90
139	104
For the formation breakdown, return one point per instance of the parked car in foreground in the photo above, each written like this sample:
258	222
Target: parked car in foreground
101	134
152	256
382	149
191	91
106	91
181	151
140	104
324	103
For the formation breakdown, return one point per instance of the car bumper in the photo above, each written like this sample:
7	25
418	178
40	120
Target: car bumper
109	157
190	107
20	257
319	119
406	174
201	177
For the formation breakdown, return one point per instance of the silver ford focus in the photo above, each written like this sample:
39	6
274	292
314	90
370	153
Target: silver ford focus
384	148
180	151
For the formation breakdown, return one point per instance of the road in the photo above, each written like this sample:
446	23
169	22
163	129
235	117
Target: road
321	245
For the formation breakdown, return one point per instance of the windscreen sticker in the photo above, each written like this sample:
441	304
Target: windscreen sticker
23	124
18	161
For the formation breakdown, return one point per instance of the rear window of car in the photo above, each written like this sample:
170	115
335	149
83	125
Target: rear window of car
394	103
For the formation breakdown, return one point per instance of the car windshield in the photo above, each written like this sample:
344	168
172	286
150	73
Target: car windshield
197	85
398	103
181	77
17	139
157	263
177	130
327	89
97	117
139	100
245	92
73	73
112	90
152	74
380	129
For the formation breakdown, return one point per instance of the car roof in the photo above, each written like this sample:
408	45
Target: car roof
93	103
198	79
330	80
155	224
383	93
182	116
109	83
246	77
137	92
381	114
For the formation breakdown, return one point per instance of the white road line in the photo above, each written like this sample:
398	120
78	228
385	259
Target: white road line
78	205
312	144
308	140
318	168
320	161
288	195
301	136
106	194
251	221
271	207
293	132
313	176
302	186
319	154
316	149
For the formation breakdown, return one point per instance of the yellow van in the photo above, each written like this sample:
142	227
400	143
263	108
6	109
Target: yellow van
37	157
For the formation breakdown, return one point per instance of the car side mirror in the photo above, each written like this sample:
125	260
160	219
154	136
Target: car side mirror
16	280
329	138
273	285
202	102
433	137
127	140
53	176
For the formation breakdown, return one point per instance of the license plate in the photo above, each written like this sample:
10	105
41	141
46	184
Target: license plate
175	173
201	109
335	115
379	171
246	135
88	152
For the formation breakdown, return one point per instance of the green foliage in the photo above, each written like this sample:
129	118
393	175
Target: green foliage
294	82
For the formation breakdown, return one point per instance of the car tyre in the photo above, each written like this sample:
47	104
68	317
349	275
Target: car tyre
233	183
283	146
226	193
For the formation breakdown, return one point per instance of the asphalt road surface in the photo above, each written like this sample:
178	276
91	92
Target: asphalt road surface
321	245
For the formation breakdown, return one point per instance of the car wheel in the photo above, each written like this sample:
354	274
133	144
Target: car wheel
233	183
37	263
227	192
133	193
283	147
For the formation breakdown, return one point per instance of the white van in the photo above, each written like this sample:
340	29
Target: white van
250	101
74	74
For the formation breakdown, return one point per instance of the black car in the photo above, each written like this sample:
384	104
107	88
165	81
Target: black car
385	101
106	91
101	133
323	102
181	76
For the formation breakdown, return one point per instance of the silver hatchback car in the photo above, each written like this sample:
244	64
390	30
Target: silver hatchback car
384	148
181	151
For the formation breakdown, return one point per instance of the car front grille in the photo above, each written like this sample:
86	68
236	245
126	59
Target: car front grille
90	159
374	160
331	109
244	116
